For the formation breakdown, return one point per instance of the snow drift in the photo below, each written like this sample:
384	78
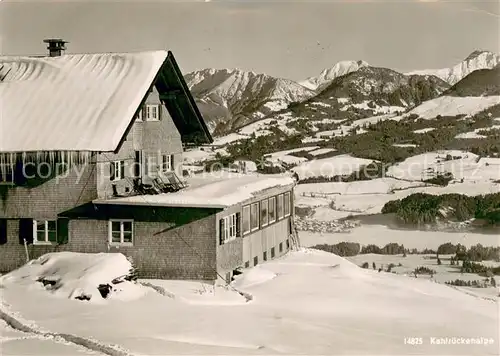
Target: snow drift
81	276
307	302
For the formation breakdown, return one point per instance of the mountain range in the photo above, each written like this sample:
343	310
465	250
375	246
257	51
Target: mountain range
232	98
476	60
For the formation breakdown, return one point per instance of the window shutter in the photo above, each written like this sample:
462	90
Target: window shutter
62	230
25	231
160	111
122	169
3	231
19	176
111	170
238	224
221	231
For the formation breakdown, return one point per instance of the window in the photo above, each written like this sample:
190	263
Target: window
264	218
3	231
117	170
246	219
44	231
272	252
6	173
152	112
228	229
121	231
281	247
167	163
152	166
264	256
287	204
272	209
287	244
279	206
247	264
255	261
254	216
138	164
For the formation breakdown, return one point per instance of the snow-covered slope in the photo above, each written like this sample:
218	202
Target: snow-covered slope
476	60
232	97
454	105
328	75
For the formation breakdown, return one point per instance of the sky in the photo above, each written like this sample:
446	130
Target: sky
288	39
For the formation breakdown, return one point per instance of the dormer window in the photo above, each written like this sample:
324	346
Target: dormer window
152	112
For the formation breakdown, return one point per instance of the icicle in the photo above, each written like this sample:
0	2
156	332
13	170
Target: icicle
2	165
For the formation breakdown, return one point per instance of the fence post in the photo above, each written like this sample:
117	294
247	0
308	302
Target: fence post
26	250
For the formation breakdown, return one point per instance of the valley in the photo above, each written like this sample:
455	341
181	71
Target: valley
383	158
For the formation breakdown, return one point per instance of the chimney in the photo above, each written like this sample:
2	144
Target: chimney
55	47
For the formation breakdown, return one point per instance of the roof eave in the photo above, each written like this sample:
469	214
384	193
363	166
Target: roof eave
159	204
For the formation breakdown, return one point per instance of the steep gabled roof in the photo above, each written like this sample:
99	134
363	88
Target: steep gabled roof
176	96
87	102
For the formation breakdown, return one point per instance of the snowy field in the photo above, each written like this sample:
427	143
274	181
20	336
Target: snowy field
445	272
475	133
472	176
308	302
197	155
358	125
330	167
286	157
425	130
454	105
369	197
462	164
381	235
262	125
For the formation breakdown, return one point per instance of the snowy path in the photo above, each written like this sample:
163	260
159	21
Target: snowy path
35	340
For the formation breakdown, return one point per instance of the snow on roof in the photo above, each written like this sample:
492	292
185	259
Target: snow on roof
218	194
79	102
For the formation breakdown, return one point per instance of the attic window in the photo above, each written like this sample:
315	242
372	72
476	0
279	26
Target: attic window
152	112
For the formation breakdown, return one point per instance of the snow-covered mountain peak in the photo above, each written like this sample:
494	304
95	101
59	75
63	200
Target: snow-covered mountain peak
478	53
225	94
475	61
328	75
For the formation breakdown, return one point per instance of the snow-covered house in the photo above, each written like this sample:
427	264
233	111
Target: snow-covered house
87	144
